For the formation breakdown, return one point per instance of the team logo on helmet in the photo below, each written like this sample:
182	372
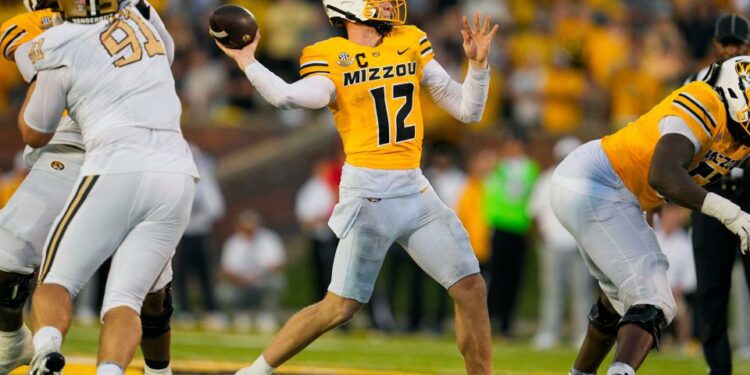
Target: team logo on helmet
57	165
742	68
345	59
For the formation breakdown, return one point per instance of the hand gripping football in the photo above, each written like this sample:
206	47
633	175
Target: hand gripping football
233	26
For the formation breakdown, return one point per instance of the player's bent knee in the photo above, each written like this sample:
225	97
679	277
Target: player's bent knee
119	300
649	318
156	313
15	289
471	287
347	310
341	309
604	318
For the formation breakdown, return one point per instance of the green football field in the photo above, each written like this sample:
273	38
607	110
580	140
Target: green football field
197	352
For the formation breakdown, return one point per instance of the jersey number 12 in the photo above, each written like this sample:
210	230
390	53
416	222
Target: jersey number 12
403	132
113	45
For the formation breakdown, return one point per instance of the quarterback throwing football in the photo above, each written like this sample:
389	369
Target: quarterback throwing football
371	82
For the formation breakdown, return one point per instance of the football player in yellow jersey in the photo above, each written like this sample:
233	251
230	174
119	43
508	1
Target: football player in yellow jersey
29	215
371	82
694	136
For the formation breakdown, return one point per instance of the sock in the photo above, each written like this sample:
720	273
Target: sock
108	368
152	371
573	371
11	337
14	346
47	336
619	368
156	365
259	367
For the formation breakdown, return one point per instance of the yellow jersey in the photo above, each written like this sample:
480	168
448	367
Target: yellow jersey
25	27
631	148
377	109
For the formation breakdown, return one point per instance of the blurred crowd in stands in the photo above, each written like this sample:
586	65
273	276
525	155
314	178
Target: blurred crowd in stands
559	66
564	71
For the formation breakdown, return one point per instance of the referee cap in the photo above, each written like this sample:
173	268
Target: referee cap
732	27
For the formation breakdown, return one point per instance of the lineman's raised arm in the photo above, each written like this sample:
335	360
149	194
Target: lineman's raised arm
314	92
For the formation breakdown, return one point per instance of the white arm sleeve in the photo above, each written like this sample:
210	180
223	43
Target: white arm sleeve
676	125
47	102
312	92
465	102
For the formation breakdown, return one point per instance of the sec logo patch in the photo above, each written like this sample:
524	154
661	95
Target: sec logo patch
57	165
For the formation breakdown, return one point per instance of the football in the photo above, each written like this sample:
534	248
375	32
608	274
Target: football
233	26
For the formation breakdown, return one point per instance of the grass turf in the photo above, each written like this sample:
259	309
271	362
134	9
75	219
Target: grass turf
373	351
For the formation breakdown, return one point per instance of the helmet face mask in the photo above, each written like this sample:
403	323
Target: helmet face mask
380	14
88	10
734	84
386	11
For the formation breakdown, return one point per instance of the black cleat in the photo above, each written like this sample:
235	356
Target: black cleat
48	364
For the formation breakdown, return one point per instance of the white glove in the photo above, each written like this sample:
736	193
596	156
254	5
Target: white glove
730	214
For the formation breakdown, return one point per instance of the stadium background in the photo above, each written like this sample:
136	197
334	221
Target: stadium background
567	67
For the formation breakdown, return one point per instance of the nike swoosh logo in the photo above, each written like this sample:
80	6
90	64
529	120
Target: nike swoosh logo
402	52
221	34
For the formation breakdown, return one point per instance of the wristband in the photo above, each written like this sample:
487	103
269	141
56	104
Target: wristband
719	207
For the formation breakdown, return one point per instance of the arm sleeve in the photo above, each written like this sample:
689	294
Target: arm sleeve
47	102
675	125
465	102
313	92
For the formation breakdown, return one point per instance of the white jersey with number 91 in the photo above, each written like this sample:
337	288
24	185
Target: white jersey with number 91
120	75
118	81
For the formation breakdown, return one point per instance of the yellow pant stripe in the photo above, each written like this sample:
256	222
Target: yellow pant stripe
83	191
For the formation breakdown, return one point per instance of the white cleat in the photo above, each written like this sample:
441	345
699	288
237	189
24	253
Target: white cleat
16	350
47	361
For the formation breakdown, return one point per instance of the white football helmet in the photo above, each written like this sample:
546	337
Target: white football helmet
733	83
366	11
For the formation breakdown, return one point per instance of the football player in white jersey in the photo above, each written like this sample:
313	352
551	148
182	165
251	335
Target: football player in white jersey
107	65
28	216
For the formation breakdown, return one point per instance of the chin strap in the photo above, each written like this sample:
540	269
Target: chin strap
383	28
347	15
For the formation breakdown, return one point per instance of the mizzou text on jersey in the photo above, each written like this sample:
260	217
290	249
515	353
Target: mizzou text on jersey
377	109
631	149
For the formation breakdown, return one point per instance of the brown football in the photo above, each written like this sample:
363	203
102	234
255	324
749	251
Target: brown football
233	26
